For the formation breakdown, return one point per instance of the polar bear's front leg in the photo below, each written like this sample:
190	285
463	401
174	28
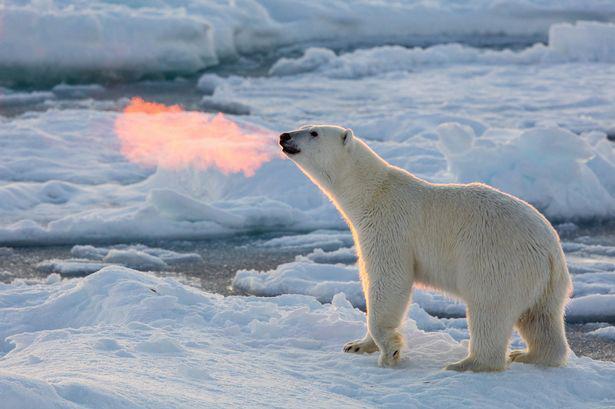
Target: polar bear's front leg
387	295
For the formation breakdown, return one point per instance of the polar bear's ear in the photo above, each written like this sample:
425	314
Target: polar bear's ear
347	135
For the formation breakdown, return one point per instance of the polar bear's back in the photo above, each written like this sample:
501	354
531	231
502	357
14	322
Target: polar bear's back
499	215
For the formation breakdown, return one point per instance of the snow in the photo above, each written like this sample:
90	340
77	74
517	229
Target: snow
73	42
164	255
137	256
523	166
588	249
410	77
179	347
134	259
585	41
590	308
221	105
79	39
342	255
323	239
322	281
607	333
88	259
410	113
589	283
47	196
582	42
69	267
9	98
208	83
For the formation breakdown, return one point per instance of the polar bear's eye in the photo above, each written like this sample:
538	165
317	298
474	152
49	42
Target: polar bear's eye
314	133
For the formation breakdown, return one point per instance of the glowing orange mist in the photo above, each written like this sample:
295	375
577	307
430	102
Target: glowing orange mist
154	134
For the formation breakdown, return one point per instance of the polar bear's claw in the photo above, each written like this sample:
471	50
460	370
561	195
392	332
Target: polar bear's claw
526	357
361	347
517	355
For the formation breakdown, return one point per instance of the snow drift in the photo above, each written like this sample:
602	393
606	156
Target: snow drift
549	167
109	340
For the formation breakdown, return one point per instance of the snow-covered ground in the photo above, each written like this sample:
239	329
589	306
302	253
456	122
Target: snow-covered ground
413	78
146	342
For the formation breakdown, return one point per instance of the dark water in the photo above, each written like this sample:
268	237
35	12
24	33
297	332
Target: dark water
222	257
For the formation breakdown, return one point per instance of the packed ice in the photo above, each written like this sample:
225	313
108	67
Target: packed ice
132	39
88	259
519	95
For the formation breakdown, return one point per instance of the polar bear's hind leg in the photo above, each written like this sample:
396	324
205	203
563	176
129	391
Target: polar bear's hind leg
542	326
543	331
490	330
544	334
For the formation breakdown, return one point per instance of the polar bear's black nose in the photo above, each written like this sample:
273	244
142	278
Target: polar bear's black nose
285	137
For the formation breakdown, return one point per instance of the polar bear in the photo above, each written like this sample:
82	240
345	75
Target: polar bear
490	249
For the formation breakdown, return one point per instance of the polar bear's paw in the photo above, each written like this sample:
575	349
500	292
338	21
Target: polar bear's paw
361	346
533	358
521	356
471	364
391	350
389	359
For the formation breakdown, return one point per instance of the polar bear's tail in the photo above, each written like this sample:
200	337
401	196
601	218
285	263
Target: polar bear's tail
560	277
542	326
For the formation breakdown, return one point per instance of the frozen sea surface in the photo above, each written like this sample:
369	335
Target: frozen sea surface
533	119
157	343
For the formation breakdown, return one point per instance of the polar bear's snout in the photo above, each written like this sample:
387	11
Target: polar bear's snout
288	145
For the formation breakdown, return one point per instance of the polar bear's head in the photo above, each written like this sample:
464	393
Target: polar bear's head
319	150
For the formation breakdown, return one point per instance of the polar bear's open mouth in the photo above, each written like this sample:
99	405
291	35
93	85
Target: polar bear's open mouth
290	149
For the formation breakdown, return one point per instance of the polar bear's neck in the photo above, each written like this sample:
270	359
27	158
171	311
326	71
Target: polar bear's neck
358	181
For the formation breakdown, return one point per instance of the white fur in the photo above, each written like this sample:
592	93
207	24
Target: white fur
490	249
